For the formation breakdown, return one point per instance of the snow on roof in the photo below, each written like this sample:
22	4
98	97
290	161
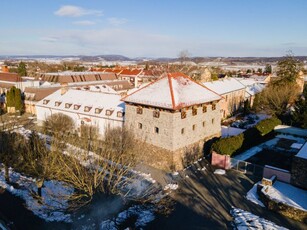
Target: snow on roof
254	89
173	91
69	73
85	100
303	152
224	86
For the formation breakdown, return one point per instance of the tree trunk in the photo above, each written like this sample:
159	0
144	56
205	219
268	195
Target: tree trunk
39	184
6	174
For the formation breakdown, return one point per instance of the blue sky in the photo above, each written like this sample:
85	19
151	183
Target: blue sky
153	28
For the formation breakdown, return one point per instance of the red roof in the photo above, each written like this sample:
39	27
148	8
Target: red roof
11	77
131	72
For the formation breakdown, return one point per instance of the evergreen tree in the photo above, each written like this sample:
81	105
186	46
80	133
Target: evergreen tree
22	70
268	69
287	70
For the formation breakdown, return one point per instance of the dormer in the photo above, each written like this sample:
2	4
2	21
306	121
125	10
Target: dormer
57	103
76	106
98	110
87	108
45	102
68	105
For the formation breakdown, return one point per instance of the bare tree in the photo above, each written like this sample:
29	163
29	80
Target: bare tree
183	56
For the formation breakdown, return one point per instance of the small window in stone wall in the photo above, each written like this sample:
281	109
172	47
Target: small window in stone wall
156	113
194	111
183	114
156	130
213	106
139	110
212	121
204	123
182	131
204	109
140	125
193	127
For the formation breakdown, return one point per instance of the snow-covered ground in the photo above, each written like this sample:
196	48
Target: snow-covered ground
231	131
244	220
288	194
249	121
53	203
142	214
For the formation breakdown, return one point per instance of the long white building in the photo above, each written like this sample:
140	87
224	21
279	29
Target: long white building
99	106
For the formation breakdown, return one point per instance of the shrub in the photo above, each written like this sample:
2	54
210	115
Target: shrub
266	126
229	145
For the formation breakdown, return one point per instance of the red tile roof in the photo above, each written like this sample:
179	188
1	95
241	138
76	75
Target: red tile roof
11	77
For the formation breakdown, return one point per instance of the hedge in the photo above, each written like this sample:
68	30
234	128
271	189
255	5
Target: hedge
266	126
251	137
228	145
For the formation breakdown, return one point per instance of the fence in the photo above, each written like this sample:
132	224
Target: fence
246	167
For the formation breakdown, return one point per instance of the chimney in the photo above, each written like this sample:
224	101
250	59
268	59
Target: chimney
64	88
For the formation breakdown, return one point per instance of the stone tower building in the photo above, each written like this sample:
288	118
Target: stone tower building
173	113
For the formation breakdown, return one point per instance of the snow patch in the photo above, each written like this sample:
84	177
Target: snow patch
171	186
219	171
50	206
244	220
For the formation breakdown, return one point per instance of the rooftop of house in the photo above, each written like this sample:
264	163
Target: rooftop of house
10	77
173	91
98	104
224	86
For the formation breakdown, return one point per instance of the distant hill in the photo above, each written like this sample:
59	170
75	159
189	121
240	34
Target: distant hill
119	58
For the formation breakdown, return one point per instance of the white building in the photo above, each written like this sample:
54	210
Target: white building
99	106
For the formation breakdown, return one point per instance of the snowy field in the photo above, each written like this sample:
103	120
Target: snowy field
244	220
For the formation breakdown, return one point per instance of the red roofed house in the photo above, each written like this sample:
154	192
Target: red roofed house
174	113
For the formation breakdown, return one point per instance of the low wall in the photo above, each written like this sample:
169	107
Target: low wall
281	174
220	161
277	206
299	172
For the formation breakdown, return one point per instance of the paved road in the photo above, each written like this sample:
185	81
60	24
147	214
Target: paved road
204	201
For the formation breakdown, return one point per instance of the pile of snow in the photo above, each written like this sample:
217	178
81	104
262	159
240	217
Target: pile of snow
219	171
53	203
171	186
246	220
253	196
142	214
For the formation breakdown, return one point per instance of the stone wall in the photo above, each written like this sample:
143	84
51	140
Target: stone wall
174	133
299	172
284	209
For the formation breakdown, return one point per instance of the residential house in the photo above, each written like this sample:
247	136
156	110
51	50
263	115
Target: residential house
96	106
233	93
252	87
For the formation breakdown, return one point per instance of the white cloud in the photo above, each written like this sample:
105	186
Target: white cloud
49	39
84	23
117	21
76	11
